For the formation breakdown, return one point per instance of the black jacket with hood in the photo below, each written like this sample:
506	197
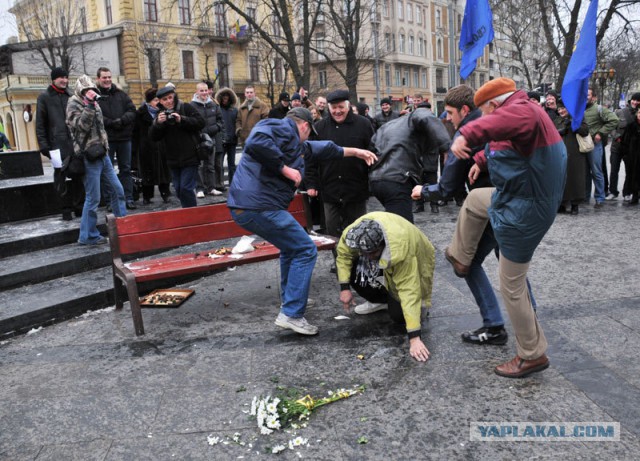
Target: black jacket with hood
118	112
229	115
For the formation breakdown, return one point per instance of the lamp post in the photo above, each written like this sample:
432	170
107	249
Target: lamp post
602	75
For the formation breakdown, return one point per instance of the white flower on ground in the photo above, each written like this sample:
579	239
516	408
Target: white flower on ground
213	440
278	449
236	437
272	422
297	442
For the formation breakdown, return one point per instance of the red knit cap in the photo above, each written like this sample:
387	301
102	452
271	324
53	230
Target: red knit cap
493	89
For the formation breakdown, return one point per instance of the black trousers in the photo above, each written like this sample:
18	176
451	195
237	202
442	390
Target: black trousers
395	197
377	294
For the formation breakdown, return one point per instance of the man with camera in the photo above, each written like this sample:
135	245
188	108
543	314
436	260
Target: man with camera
119	114
177	129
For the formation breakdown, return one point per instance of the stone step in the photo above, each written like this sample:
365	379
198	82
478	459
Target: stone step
51	263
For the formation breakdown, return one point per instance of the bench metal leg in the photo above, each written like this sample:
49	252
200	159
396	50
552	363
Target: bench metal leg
118	291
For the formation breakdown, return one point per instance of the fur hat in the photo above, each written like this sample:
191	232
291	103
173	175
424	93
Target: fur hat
492	89
58	72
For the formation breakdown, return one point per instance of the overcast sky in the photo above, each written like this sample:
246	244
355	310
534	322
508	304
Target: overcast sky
7	22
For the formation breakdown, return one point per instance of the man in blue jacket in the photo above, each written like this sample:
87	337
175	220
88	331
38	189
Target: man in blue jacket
270	170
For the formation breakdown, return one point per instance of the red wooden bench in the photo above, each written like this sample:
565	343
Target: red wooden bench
148	232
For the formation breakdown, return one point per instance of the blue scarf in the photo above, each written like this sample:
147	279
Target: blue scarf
153	111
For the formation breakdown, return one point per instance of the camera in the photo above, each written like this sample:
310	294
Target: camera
171	118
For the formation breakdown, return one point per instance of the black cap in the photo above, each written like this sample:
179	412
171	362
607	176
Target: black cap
284	96
302	114
58	72
165	90
337	96
534	95
295	96
385	101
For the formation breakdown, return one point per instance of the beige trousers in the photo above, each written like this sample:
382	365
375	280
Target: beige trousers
472	220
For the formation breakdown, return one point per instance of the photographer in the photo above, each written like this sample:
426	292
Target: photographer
176	128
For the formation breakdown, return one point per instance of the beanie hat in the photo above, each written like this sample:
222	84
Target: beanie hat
385	101
635	97
58	72
150	94
366	236
295	96
534	95
492	89
284	96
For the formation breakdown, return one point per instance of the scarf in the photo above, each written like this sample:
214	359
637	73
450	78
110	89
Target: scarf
153	111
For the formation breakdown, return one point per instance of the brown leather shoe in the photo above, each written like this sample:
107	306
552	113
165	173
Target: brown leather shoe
458	268
519	368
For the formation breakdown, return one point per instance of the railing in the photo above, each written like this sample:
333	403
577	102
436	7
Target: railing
40	82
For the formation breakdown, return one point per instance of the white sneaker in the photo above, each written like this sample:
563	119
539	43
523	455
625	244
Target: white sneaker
610	196
215	192
368	308
627	198
200	194
298	325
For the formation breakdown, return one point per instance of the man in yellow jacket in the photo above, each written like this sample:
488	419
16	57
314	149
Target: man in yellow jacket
385	243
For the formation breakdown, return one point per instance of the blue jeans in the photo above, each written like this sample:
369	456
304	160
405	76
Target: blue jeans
96	172
123	151
481	288
298	253
184	182
594	172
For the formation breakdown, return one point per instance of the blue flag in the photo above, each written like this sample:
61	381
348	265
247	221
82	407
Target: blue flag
582	64
476	33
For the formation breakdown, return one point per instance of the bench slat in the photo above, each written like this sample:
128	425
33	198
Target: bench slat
185	264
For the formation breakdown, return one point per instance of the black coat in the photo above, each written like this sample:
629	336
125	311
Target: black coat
152	164
576	161
214	123
347	179
51	127
278	111
382	118
118	113
179	141
229	115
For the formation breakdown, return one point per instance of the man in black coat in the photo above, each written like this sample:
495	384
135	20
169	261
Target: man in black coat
282	107
119	114
342	184
53	134
386	113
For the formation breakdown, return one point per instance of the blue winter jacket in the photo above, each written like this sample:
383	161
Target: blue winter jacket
258	183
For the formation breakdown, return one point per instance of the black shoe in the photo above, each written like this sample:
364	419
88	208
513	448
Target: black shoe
109	209
460	201
491	336
131	206
562	209
435	208
574	209
78	213
165	196
67	216
443	202
419	207
333	269
146	201
634	199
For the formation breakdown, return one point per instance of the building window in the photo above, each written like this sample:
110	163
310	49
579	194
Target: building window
424	80
421	46
221	20
385	8
184	12
387	75
150	11
406	81
187	64
411	45
109	12
83	19
322	78
418	14
409	12
253	69
460	23
438	17
387	41
439	46
401	43
275	25
398	82
155	64
439	78
416	78
223	70
481	77
400	9
320	46
277	68
251	12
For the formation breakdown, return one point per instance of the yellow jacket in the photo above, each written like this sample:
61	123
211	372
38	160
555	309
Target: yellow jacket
408	262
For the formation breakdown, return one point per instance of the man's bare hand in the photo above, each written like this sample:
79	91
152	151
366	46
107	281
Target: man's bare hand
292	174
363	154
418	350
416	193
474	172
312	192
460	149
346	298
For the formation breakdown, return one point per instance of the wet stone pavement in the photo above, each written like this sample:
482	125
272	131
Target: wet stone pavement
89	389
